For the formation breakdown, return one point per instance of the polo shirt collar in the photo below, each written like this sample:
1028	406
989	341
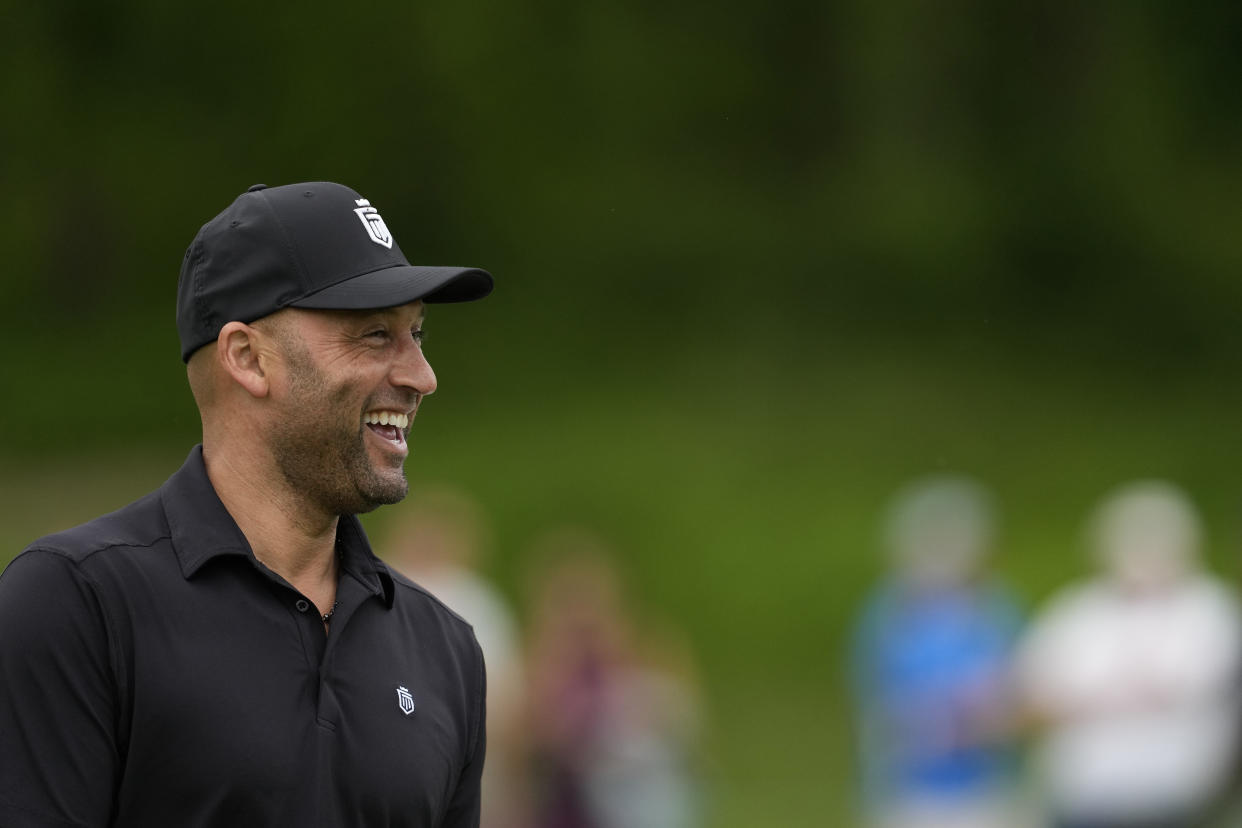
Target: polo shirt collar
201	529
358	560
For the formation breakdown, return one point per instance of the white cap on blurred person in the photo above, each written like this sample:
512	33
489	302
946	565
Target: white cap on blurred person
1146	534
939	531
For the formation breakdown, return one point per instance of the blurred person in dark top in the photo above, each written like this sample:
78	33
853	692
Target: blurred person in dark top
440	541
1132	674
614	729
931	667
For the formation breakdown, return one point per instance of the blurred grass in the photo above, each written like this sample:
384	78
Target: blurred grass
742	483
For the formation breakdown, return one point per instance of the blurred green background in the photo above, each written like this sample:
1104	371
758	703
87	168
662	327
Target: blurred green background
757	265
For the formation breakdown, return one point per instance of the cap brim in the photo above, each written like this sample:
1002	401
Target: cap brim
401	285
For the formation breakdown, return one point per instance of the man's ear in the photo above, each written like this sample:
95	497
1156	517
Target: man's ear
237	349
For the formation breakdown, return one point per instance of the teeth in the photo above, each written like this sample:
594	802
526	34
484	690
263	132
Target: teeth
387	418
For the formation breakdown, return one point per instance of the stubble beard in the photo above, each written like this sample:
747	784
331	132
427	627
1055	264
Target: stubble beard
321	459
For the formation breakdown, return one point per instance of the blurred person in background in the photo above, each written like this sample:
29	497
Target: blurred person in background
615	717
931	667
1132	674
440	542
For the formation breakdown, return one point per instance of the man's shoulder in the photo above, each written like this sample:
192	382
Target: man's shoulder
138	524
422	598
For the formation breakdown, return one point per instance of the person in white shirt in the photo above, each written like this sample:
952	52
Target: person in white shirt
1132	675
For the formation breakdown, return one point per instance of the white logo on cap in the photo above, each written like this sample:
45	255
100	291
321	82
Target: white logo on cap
376	229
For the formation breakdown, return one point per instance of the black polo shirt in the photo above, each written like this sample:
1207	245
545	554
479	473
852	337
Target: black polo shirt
154	673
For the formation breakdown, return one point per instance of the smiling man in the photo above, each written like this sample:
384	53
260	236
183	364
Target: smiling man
227	650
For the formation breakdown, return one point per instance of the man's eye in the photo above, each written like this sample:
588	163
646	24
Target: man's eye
379	334
418	335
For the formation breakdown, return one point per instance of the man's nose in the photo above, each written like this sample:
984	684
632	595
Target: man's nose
412	370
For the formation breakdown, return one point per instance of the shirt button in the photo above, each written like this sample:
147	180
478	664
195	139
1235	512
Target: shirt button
302	604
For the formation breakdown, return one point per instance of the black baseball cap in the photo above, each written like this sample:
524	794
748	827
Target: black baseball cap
315	245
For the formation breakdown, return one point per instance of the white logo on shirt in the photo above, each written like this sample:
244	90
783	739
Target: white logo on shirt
405	700
376	229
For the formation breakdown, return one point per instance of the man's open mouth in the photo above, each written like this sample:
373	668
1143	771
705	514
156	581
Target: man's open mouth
390	425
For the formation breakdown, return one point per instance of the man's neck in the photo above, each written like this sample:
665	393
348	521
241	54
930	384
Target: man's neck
286	534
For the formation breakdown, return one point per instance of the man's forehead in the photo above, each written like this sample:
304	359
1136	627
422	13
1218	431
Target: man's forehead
416	308
415	311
